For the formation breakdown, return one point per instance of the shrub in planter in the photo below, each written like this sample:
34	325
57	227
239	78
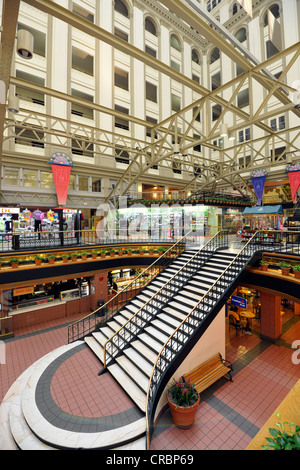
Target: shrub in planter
84	255
141	251
102	253
51	259
65	258
14	262
112	253
38	260
296	270
151	251
74	256
129	251
285	437
285	268
264	265
183	401
94	254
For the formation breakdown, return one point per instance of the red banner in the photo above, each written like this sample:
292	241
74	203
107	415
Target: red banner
294	177
61	175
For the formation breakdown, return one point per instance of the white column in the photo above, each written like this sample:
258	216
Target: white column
165	81
138	74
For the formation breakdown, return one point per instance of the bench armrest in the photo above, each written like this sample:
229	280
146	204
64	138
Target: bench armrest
227	363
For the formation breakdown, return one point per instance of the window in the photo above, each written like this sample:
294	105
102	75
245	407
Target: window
83	183
72	182
29	178
216	112
150	27
121	8
150	51
83	13
197	148
175	65
81	146
174	42
244	135
80	110
195	78
82	61
195	110
244	162
175	102
121	78
39	43
195	57
148	129
241	35
151	92
32	137
122	156
30	95
216	81
121	34
279	154
96	185
120	122
281	122
215	55
46	180
243	98
11	176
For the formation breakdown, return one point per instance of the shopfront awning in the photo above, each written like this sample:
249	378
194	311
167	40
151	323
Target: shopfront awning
263	210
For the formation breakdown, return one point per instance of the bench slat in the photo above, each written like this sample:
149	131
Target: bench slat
208	372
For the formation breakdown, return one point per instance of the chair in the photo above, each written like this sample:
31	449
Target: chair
233	322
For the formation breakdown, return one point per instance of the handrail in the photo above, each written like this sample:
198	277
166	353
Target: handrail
179	327
130	320
127	288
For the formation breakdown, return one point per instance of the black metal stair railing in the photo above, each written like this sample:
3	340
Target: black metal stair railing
197	316
143	316
101	315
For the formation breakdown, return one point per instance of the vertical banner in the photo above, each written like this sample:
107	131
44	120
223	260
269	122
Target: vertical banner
61	165
294	177
258	179
247	5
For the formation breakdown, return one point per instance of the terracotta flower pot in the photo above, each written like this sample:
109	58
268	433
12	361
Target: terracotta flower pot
51	260
264	267
74	258
129	253
83	257
285	271
65	260
14	265
94	256
38	262
297	274
103	255
183	416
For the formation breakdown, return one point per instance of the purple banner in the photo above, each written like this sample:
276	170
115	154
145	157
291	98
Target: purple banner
258	186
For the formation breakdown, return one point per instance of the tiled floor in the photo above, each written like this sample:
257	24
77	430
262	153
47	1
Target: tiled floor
229	414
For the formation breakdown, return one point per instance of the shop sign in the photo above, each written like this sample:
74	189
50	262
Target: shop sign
238	301
23	290
9	210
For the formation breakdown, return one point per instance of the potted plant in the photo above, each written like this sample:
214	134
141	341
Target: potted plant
141	251
285	437
112	253
14	262
73	256
264	265
120	252
151	251
183	401
285	268
296	270
38	260
84	255
65	258
94	254
51	259
102	253
129	251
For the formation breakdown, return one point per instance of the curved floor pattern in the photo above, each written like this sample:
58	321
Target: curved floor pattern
111	416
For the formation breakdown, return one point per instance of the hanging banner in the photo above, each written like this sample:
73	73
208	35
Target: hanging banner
247	5
61	165
258	180
294	177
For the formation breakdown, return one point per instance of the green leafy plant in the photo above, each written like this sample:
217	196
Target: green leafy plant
297	267
263	262
284	264
65	256
285	437
14	260
37	257
51	257
182	392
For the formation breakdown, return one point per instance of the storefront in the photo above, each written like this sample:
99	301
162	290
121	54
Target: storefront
232	220
8	219
48	220
119	279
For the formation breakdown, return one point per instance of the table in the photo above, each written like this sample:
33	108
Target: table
249	316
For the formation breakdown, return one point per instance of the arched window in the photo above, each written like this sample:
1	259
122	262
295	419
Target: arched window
195	57
235	8
121	8
174	41
241	35
215	55
150	26
273	37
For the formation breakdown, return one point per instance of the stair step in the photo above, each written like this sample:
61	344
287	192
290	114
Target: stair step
95	346
169	319
162	326
157	334
133	372
182	308
173	311
139	360
144	351
149	341
135	393
186	300
99	336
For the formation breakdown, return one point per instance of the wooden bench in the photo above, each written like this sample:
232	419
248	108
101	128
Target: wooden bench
209	372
